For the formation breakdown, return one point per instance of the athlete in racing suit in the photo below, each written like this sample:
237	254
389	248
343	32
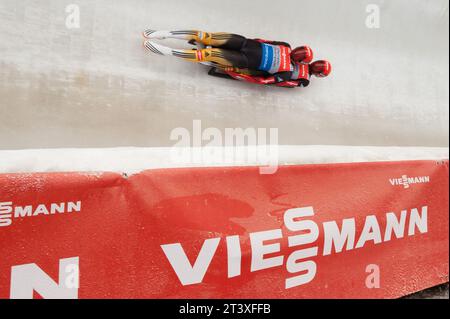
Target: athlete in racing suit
252	60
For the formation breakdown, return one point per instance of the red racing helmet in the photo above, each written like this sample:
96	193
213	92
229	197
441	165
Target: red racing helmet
302	54
321	68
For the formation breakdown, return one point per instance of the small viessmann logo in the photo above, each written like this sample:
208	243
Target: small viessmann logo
407	181
9	211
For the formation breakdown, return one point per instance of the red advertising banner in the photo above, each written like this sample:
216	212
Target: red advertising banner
365	230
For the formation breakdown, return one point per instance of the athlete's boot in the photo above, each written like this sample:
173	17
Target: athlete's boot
156	34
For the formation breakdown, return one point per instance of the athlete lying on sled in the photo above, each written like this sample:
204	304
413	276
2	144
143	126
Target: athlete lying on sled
236	57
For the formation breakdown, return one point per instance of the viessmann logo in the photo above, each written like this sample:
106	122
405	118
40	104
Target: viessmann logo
406	181
10	212
309	238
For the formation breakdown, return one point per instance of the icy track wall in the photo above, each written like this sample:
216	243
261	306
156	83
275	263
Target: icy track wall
96	87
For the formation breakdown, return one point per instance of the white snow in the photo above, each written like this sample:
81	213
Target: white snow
74	98
132	160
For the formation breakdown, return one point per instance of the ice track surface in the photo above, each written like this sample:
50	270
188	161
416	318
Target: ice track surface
96	86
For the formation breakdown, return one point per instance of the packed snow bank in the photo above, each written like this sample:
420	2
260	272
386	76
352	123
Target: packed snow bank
132	160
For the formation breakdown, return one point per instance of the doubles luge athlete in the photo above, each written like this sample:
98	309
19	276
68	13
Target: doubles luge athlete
236	57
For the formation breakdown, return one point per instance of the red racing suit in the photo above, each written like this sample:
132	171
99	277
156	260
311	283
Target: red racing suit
299	77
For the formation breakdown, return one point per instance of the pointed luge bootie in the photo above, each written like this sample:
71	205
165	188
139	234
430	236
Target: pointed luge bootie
158	48
180	35
156	34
